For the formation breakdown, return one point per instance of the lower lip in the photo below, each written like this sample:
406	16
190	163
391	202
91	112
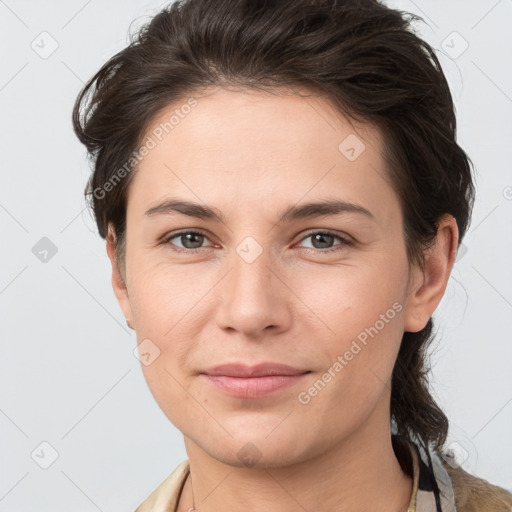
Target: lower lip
253	387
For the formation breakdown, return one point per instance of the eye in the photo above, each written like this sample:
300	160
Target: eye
322	241
191	241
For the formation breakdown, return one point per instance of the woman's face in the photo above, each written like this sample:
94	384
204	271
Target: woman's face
327	294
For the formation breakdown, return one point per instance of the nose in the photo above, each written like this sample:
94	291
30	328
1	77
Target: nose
254	297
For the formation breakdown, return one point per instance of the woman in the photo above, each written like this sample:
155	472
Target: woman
282	196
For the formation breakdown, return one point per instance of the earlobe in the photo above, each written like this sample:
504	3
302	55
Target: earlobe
118	282
428	285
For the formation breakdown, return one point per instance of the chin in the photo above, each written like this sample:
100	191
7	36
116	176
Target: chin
251	456
257	450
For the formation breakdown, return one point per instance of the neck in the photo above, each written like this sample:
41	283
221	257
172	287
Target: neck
358	473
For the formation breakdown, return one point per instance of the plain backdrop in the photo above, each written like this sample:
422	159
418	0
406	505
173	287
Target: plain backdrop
73	398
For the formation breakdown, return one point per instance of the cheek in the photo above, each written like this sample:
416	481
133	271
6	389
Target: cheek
164	305
349	298
164	295
362	308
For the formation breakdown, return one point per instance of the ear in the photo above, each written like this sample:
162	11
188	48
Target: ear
118	281
427	286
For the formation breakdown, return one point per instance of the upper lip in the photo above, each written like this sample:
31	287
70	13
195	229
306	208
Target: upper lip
259	370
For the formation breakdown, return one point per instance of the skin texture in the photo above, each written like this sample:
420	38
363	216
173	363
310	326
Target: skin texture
251	155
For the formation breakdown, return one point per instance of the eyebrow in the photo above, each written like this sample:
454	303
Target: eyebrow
295	212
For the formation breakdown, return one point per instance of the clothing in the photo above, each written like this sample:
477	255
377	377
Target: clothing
459	491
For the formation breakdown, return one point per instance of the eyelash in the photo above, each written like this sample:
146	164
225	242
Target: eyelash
344	241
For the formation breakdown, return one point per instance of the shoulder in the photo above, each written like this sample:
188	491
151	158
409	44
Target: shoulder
473	494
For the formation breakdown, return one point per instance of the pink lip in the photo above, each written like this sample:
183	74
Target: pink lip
259	370
244	381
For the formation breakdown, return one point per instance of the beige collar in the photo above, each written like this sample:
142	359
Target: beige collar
165	497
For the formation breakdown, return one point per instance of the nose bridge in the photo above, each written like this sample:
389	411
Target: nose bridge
252	296
252	267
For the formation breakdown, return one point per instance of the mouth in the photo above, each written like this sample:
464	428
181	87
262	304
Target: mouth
242	381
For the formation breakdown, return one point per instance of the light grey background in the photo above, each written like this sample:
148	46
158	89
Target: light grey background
68	375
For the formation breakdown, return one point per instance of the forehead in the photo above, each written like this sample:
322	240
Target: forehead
246	145
221	117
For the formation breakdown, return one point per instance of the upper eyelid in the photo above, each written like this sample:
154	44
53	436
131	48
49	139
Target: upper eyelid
331	232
